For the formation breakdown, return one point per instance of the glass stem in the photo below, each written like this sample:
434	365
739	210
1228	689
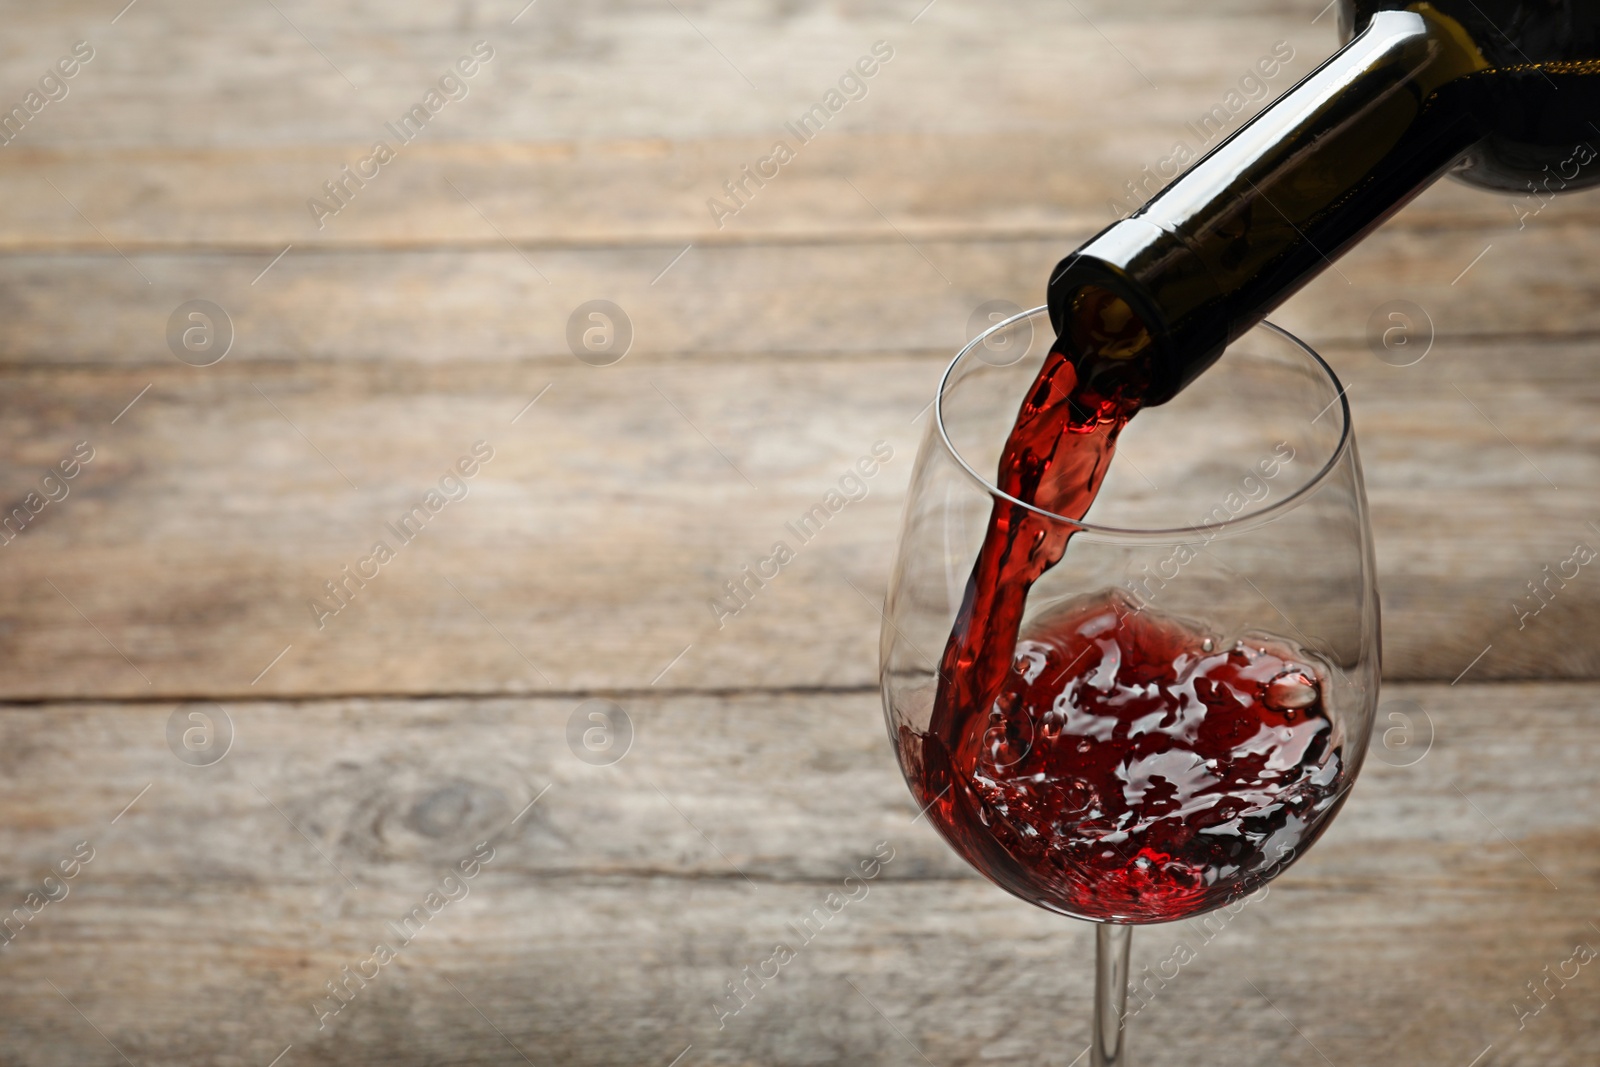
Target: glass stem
1111	943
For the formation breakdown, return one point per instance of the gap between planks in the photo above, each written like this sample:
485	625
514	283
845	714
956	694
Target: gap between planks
663	692
245	697
1074	230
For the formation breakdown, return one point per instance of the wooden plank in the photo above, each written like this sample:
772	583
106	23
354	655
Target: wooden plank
1061	183
618	505
594	974
606	926
1461	450
640	561
555	149
868	295
773	787
337	72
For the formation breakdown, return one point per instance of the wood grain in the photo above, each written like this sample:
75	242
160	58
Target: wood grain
618	505
876	292
614	910
168	141
175	577
191	74
1054	182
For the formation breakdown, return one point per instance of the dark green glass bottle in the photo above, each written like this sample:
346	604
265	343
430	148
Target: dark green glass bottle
1499	93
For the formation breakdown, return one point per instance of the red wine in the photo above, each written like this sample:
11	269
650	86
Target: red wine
1055	459
1134	769
1109	763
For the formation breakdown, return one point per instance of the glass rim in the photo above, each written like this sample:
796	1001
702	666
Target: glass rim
1201	531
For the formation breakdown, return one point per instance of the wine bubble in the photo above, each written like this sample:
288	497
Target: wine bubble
1291	691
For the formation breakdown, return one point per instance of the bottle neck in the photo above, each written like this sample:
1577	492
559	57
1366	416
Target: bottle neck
1285	195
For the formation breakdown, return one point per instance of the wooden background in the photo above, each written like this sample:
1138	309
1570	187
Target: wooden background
370	755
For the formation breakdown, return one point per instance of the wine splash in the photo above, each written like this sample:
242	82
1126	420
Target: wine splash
1105	761
1135	769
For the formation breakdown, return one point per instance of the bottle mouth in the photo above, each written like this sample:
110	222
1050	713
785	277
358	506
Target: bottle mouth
1152	271
1247	518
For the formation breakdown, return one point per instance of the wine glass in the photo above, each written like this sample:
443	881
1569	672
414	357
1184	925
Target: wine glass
1191	692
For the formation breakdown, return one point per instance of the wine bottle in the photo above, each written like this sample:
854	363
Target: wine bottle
1503	94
